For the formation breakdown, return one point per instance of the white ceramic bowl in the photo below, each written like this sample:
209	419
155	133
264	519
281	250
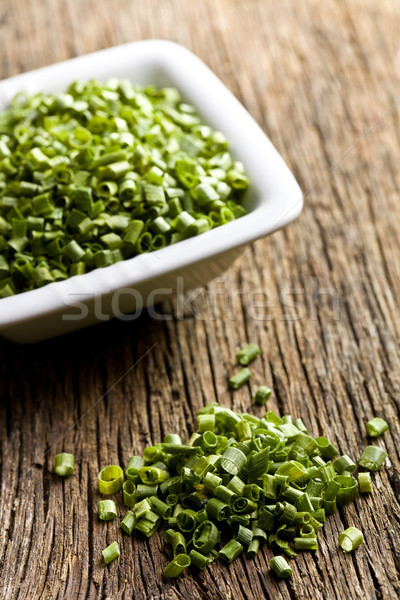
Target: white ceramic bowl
273	200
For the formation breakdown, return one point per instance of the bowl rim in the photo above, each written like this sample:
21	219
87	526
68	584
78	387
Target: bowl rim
281	204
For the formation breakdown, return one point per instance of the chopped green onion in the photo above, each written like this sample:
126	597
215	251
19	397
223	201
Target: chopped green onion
176	567
344	463
327	449
199	560
142	507
205	536
364	480
128	523
241	479
186	520
148	523
206	423
244	535
305	543
230	551
116	166
106	510
64	464
111	552
236	381
217	509
233	460
160	508
177	541
292	469
151	475
248	354
376	426
262	395
110	479
348	488
280	567
350	539
372	458
128	490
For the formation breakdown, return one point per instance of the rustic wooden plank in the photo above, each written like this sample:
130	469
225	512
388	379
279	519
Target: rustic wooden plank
321	298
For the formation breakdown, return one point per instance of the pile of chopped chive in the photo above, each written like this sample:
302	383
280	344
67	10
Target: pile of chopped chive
239	482
104	172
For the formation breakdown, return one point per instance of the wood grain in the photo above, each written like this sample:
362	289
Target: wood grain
320	297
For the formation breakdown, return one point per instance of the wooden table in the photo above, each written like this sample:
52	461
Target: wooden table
320	297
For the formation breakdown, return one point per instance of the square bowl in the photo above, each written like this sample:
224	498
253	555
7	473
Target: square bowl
273	199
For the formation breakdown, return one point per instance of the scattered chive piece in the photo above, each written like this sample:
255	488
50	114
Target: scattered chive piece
262	395
372	458
107	510
280	567
376	426
364	480
111	479
64	464
104	172
177	566
350	539
245	356
111	552
236	381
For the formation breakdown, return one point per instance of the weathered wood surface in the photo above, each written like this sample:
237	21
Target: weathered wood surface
320	297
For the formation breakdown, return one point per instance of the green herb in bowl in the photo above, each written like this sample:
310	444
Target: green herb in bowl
104	172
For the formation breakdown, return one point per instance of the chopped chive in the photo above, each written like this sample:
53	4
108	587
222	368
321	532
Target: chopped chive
280	567
161	508
177	541
326	448
148	523
376	426
128	490
236	381
206	423
106	510
128	523
110	479
230	551
305	543
364	480
372	458
262	395
248	354
347	490
350	539
205	536
240	478
199	560
64	464
159	176
244	535
344	463
111	552
176	567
